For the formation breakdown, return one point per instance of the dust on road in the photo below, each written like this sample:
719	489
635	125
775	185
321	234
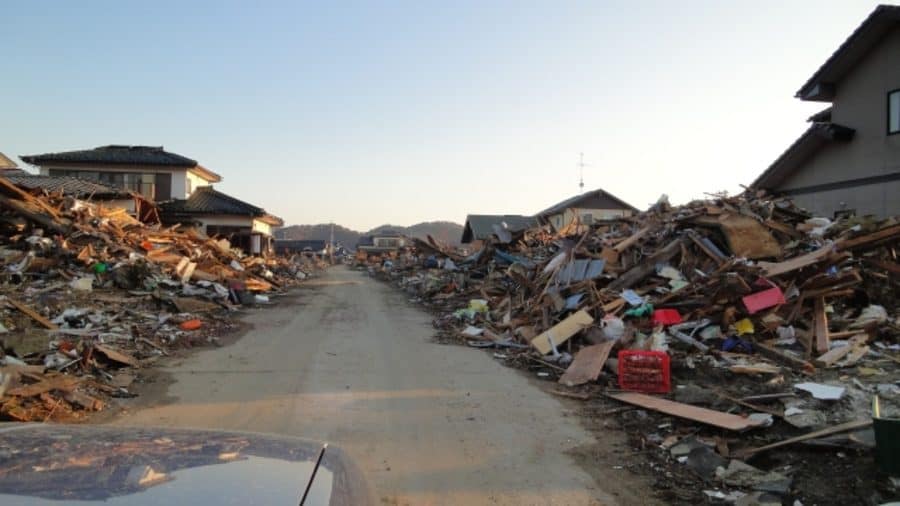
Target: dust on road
350	362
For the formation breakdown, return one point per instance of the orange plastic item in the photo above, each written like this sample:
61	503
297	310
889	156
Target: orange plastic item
147	245
191	325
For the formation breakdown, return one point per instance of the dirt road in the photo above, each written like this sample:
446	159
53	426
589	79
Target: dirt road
349	361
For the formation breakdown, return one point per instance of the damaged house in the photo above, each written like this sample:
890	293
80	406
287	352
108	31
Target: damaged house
181	188
153	172
216	214
71	186
848	160
587	208
480	227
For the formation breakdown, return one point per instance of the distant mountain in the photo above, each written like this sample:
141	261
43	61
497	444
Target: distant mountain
322	231
444	231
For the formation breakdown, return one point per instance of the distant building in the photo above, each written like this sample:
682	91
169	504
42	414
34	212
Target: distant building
386	241
848	160
588	207
479	227
290	246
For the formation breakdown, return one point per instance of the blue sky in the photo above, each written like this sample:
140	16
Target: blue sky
365	113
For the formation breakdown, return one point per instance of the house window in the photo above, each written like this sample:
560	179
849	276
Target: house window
587	219
894	112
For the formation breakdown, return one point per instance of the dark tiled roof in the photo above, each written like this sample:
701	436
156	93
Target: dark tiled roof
816	136
872	30
116	155
69	185
481	226
585	197
207	201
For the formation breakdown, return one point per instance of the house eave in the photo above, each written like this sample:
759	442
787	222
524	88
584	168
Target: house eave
811	141
821	85
206	174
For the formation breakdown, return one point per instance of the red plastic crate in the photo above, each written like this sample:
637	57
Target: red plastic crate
645	371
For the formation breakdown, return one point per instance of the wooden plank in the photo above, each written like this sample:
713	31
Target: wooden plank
837	429
772	269
613	306
874	239
181	264
34	315
892	267
571	395
855	355
34	215
710	253
188	272
828	358
646	267
783	358
587	365
117	356
702	415
62	383
820	325
630	241
562	331
745	236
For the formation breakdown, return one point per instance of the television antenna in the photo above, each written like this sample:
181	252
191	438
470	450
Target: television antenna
581	166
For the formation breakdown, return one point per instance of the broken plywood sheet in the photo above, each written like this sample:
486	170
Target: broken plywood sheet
62	383
799	262
746	237
701	415
562	331
116	356
587	365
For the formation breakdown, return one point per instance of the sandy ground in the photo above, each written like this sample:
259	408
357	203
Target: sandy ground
349	361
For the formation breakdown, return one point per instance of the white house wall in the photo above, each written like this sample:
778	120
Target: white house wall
261	227
196	182
562	219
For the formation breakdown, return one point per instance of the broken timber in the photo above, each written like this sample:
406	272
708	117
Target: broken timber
708	416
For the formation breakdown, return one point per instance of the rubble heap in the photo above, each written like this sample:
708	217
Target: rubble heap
89	294
746	310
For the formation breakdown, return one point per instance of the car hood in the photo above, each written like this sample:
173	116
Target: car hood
44	464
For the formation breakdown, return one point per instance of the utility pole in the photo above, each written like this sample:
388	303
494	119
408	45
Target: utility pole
331	246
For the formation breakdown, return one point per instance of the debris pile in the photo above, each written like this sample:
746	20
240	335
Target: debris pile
90	293
746	311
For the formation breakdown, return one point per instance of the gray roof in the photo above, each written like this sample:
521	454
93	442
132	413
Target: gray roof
67	184
816	136
584	198
871	32
206	200
481	226
115	155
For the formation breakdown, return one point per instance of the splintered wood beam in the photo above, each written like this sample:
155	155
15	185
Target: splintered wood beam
34	315
820	325
647	266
